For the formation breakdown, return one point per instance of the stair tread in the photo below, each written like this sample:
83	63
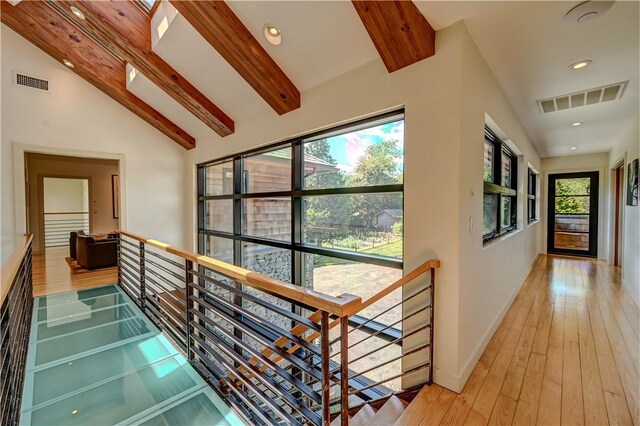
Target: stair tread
389	412
363	416
417	409
337	421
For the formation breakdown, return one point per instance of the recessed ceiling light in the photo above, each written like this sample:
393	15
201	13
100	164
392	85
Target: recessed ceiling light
272	34
580	65
574	148
68	63
587	11
77	12
74	412
577	123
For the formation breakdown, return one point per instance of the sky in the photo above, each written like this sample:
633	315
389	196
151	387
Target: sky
347	148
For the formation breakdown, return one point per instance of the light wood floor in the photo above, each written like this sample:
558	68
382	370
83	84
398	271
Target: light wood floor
51	274
565	353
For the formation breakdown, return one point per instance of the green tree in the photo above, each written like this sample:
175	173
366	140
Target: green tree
572	196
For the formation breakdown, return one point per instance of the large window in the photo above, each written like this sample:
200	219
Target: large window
500	180
323	211
532	189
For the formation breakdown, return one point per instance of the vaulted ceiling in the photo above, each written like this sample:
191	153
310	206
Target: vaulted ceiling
198	69
120	47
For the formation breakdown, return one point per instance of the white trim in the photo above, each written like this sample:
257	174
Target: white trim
620	162
19	194
470	365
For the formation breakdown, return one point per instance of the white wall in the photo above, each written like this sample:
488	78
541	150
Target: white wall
628	147
443	163
581	163
65	195
490	275
77	119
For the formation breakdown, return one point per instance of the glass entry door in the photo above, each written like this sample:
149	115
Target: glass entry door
573	214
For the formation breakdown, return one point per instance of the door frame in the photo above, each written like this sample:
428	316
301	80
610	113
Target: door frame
40	212
619	163
594	206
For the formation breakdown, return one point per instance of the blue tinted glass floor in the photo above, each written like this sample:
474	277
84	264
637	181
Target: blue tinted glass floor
95	359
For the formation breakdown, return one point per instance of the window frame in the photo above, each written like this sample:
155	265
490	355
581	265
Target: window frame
495	187
296	245
532	197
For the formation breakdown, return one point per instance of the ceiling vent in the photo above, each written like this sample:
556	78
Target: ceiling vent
593	96
25	80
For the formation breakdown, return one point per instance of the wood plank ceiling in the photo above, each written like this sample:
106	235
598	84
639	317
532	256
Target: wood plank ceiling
399	31
114	33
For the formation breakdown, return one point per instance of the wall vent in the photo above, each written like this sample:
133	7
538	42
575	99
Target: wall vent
598	95
22	79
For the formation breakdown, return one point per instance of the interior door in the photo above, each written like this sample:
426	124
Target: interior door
573	214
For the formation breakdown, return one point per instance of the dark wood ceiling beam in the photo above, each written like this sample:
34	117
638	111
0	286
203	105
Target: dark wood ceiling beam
217	23
400	33
59	38
126	28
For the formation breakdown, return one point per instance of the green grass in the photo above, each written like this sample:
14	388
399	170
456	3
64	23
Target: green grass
393	249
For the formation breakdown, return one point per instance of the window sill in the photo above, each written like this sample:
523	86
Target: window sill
533	222
500	239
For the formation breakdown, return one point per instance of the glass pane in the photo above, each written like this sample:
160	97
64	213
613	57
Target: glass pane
506	170
575	186
218	215
572	223
267	172
571	240
218	179
367	157
490	214
70	376
368	223
119	399
219	248
271	261
267	218
81	317
73	296
64	310
573	205
532	209
197	410
488	161
506	220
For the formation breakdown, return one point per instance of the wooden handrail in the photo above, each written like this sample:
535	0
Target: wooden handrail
429	264
341	305
11	267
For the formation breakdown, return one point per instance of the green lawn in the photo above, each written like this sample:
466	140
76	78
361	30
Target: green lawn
393	249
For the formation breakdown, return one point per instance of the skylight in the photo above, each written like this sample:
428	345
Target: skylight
148	4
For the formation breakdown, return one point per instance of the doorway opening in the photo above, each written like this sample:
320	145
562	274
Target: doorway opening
573	214
65	209
618	199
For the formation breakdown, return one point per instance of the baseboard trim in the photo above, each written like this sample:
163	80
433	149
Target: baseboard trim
482	345
635	297
446	380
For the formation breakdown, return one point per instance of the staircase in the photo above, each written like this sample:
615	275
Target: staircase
281	354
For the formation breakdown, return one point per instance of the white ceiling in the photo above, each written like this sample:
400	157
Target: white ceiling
529	49
526	44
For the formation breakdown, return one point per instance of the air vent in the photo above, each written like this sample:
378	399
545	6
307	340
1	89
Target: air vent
25	80
612	92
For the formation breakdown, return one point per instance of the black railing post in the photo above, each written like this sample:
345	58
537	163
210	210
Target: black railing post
119	254
188	267
326	379
344	371
143	293
432	302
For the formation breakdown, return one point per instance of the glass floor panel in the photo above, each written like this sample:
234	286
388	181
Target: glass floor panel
80	373
93	338
47	301
78	307
73	323
91	371
197	410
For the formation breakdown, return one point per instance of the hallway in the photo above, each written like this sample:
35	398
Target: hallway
52	274
567	352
